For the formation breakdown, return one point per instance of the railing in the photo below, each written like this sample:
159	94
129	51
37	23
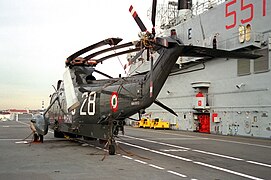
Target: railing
199	8
168	16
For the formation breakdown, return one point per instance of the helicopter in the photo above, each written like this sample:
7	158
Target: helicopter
96	109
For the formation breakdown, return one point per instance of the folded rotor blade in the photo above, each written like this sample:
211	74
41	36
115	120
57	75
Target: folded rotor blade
109	41
109	49
165	107
137	19
117	54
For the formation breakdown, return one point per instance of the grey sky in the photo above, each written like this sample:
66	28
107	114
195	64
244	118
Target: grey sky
37	36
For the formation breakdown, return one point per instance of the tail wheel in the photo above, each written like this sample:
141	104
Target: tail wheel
89	138
58	134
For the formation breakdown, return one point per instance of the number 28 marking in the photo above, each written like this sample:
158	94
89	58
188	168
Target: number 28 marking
89	101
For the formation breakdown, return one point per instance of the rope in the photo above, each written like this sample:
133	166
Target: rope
32	140
106	152
28	136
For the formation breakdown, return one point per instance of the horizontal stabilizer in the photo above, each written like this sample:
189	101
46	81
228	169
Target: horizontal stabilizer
196	51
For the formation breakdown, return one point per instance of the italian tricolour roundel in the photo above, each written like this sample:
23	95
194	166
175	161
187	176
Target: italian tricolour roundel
114	101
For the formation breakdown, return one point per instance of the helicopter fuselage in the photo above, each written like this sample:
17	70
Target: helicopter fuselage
105	104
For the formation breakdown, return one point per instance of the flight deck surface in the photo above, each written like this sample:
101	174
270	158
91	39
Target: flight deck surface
141	153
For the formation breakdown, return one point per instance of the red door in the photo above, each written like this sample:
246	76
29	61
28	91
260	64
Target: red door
204	123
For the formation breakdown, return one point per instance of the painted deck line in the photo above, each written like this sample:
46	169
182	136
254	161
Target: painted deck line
195	162
258	163
177	174
218	155
228	171
157	167
156	142
139	161
229	141
203	152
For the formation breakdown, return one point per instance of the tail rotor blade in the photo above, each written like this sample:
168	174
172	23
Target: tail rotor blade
151	78
153	15
137	19
151	71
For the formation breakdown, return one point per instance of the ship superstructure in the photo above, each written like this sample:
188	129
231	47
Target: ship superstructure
222	96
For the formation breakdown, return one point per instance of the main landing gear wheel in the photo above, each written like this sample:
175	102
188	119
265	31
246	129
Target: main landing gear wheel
58	134
89	138
112	149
